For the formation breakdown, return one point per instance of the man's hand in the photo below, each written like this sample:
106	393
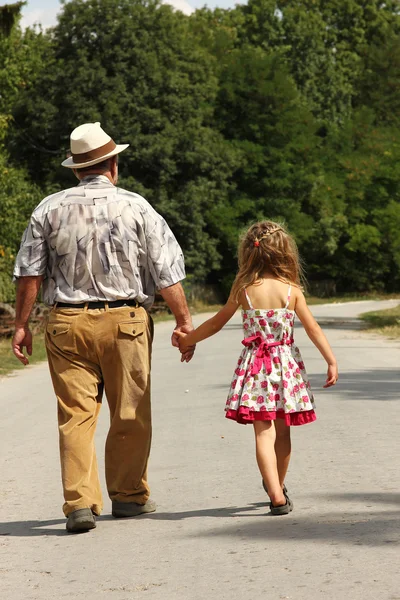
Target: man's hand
185	341
174	296
188	354
22	339
27	291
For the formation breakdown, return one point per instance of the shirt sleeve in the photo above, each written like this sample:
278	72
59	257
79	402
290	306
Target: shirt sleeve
165	257
32	257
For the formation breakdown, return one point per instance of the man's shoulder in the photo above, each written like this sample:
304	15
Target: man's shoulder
138	204
115	194
53	201
133	198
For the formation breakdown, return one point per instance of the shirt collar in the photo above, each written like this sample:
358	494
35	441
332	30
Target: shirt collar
95	178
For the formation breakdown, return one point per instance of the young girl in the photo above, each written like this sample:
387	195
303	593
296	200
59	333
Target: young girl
270	388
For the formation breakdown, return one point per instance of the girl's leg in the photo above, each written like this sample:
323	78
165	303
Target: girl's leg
266	459
282	448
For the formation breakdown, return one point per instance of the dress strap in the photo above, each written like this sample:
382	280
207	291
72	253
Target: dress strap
288	296
248	299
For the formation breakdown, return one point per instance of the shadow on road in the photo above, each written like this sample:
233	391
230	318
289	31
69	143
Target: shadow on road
358	527
32	528
377	384
373	384
347	323
335	529
43	528
382	498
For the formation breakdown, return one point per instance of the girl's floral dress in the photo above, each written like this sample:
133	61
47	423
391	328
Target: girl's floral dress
270	380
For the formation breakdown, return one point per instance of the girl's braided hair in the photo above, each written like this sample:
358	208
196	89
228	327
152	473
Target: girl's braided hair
267	248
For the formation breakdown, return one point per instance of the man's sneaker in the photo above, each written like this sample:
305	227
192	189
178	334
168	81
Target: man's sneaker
81	520
131	509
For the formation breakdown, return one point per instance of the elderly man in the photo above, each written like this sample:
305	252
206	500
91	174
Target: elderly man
101	253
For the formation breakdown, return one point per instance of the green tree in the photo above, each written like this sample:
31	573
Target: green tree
361	188
323	41
21	55
261	113
283	109
134	66
379	82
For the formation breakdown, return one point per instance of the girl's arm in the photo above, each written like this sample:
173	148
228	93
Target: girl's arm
317	336
209	327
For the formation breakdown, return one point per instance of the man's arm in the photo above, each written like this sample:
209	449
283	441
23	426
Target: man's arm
175	297
27	291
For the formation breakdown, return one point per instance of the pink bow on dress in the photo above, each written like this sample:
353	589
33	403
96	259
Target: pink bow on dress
263	354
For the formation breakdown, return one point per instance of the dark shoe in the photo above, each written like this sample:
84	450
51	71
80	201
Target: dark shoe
285	493
285	509
81	520
121	510
284	489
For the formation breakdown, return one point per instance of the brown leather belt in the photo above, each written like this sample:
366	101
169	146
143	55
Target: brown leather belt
99	304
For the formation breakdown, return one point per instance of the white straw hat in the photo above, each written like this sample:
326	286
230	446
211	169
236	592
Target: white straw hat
90	145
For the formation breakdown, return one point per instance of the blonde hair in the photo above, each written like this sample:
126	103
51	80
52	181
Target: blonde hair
267	248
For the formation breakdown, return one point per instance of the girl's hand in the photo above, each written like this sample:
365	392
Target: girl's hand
183	341
187	355
332	376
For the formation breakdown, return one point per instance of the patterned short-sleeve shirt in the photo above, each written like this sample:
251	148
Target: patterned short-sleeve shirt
99	242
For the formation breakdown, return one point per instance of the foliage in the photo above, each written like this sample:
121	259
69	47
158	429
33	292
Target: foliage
21	55
260	111
134	67
286	109
18	197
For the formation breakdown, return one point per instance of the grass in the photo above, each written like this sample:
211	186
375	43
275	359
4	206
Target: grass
386	322
9	363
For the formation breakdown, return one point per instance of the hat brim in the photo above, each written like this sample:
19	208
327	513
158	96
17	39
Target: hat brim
70	164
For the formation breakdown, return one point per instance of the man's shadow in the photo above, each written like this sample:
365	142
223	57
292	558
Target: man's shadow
49	528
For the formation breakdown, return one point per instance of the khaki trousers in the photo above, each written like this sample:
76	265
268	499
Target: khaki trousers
88	351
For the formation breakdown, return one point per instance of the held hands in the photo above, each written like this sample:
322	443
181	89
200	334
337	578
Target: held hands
182	342
179	341
332	376
22	339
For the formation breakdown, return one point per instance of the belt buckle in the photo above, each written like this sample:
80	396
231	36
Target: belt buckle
129	303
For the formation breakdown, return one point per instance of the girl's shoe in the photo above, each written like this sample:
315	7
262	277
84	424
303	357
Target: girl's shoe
285	509
266	489
285	493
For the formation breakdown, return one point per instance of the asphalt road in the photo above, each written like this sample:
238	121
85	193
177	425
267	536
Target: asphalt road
212	537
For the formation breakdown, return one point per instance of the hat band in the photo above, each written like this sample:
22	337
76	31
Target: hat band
85	157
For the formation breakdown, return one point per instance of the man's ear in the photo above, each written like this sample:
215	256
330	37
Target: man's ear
114	169
76	174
